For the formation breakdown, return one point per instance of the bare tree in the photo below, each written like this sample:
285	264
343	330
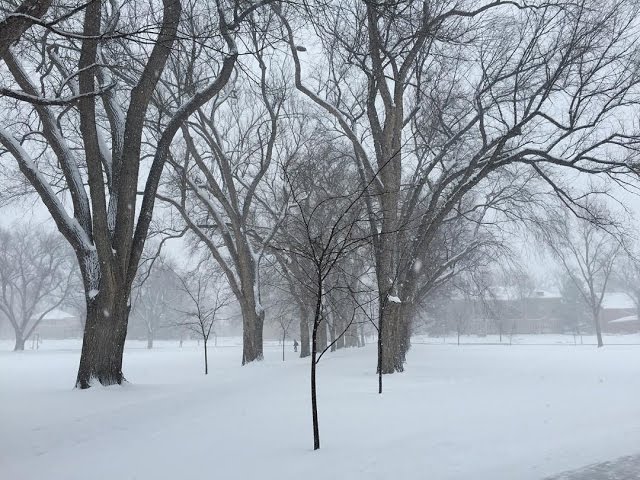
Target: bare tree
587	252
88	147
154	296
36	277
284	321
229	152
325	225
205	300
437	98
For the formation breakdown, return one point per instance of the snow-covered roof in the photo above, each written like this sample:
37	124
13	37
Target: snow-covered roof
56	314
617	301
512	293
628	319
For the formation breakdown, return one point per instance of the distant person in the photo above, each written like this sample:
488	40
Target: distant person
295	345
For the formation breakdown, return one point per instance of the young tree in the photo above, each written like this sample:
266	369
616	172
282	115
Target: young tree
36	277
325	225
205	301
284	321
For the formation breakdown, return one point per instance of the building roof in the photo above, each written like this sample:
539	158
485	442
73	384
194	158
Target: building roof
617	301
627	319
56	314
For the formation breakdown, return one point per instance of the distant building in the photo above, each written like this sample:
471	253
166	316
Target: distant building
507	311
619	314
58	324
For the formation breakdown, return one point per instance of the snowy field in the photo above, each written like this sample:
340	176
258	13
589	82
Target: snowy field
471	412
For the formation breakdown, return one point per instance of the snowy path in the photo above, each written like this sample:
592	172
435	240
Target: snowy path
482	412
625	468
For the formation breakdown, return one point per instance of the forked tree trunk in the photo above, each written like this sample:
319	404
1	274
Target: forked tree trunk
103	342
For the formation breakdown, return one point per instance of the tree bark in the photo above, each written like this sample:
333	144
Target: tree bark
13	26
252	331
104	336
393	338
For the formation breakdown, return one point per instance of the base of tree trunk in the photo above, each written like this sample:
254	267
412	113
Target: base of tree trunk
252	342
395	338
19	345
103	345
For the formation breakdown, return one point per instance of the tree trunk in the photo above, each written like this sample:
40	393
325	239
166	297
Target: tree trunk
206	358
318	323
339	325
305	349
104	336
596	321
332	333
351	336
252	331
283	339
149	339
20	340
321	336
314	396
393	338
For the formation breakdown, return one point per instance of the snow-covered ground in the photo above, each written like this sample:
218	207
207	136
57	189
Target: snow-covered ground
469	412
